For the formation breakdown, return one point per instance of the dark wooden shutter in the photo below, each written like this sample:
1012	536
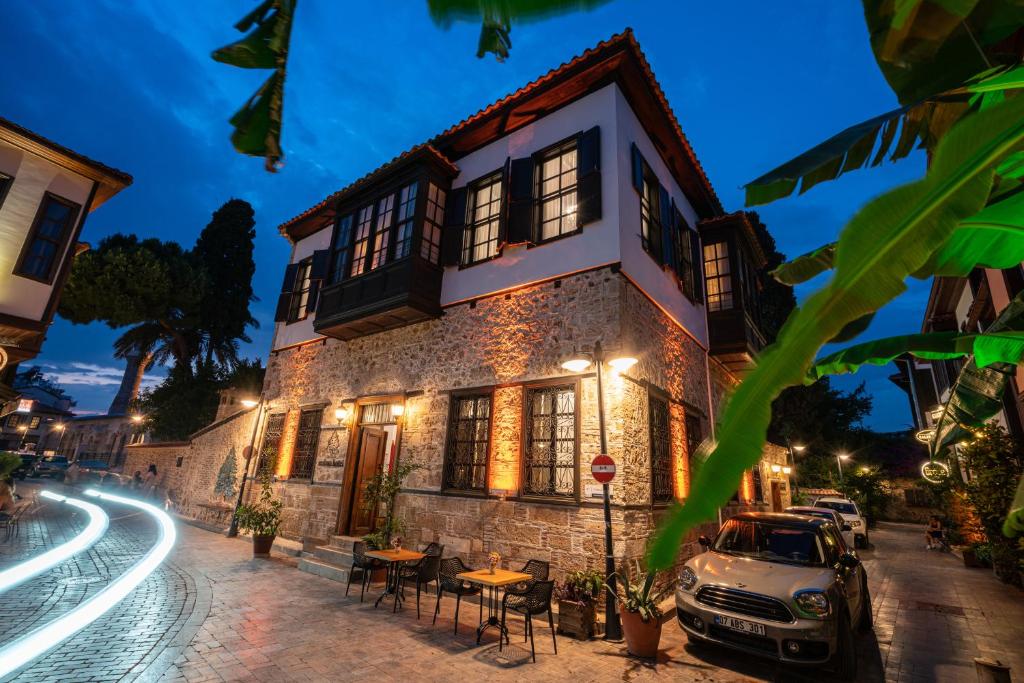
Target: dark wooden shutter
454	225
668	252
521	206
638	169
281	314
588	200
317	274
698	267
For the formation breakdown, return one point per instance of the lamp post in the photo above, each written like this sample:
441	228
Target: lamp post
793	450
60	442
840	457
579	363
24	433
248	404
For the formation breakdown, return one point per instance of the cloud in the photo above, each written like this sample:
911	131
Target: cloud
94	375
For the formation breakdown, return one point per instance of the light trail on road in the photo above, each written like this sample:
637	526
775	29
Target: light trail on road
97	526
34	644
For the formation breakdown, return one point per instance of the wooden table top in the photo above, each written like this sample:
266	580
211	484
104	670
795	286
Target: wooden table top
500	577
401	555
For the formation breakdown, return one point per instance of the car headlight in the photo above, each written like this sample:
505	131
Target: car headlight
813	603
687	578
854	523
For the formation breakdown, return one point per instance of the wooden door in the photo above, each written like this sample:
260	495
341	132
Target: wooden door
370	462
776	497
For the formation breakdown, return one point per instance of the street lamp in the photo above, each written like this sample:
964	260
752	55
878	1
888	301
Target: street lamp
24	432
840	457
579	363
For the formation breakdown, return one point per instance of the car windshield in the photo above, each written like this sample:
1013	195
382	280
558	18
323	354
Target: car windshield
845	508
816	513
768	541
56	460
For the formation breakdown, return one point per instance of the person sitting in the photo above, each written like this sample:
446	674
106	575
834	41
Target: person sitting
7	499
934	533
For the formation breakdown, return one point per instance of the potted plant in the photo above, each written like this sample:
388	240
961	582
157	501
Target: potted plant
382	490
577	603
641	616
262	519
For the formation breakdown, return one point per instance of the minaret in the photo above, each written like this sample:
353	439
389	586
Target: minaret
129	386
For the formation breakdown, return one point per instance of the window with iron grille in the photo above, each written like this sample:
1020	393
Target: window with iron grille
480	239
718	276
758	485
549	462
430	247
661	451
306	440
271	444
469	440
558	192
403	224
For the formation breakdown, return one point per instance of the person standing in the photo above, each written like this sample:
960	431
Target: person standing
149	481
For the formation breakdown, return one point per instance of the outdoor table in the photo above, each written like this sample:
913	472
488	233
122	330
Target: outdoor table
500	577
394	560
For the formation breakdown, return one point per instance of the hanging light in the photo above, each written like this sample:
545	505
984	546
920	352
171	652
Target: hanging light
623	363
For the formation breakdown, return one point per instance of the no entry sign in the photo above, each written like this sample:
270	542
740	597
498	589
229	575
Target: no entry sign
603	468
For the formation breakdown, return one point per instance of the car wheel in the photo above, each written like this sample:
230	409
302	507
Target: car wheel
844	661
867	619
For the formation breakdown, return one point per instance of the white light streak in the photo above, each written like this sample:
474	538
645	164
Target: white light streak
35	643
22	572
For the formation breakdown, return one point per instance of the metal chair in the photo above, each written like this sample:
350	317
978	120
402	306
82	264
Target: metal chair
426	571
408	569
535	601
450	568
538	569
365	565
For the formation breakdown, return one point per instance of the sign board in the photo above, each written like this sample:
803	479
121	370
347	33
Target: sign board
603	468
925	435
597	491
24	405
934	471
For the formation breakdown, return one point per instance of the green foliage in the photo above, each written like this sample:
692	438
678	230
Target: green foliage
1014	524
803	268
818	416
582	587
262	518
8	463
868	487
33	376
637	594
382	489
996	463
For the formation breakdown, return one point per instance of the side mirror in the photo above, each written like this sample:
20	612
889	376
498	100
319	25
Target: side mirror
704	541
849	560
847	527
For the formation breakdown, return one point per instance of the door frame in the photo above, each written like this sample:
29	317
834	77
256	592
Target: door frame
341	526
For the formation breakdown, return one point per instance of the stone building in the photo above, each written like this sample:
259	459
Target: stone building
428	310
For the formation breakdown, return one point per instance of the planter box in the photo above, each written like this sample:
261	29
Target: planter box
970	559
578	621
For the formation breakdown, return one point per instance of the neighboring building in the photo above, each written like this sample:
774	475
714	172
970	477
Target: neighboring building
428	307
46	191
104	437
967	304
34	423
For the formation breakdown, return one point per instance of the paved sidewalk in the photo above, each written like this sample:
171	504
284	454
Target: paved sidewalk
212	613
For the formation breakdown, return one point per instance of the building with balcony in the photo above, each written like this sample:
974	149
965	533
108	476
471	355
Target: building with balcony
427	310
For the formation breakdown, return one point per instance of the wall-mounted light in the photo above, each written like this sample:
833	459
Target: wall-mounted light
797	448
776	469
136	419
249	403
623	363
397	410
576	364
59	426
342	414
787	470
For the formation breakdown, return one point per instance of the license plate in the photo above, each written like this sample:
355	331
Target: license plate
740	625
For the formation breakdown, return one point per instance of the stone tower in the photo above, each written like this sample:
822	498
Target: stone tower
129	386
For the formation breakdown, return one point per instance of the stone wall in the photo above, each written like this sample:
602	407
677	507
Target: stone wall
168	458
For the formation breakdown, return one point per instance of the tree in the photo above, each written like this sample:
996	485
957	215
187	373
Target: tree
223	252
33	376
819	416
225	485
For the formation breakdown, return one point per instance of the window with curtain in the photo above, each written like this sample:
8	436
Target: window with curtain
469	440
430	247
718	276
558	192
480	239
549	460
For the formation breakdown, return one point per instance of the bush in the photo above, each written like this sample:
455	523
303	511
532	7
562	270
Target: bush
8	463
582	587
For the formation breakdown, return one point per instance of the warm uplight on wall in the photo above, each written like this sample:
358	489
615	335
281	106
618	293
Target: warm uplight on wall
576	364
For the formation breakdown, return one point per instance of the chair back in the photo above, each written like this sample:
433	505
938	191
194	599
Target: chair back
433	549
429	567
449	569
358	558
538	598
538	569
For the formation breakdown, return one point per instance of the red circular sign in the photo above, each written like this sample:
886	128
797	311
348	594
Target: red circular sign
603	468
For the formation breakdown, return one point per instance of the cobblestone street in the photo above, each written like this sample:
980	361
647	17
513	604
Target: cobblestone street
212	613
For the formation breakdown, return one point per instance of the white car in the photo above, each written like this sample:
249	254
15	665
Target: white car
851	513
830	514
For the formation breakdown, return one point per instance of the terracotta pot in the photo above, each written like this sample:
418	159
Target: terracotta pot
641	638
261	545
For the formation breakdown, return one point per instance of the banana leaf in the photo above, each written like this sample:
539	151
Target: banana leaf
258	123
803	268
988	348
920	125
992	238
977	394
1014	524
888	239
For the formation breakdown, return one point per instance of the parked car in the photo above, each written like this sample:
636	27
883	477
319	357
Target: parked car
827	513
777	585
92	471
851	513
52	466
27	466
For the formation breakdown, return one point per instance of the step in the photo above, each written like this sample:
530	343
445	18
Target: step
343	542
312	565
332	555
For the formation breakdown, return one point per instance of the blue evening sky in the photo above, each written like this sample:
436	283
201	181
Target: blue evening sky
132	85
